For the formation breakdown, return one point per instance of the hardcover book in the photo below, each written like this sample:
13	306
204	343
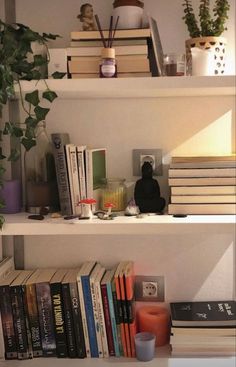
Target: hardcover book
120	33
6	266
18	311
59	141
107	316
31	307
212	313
116	304
45	312
76	313
101	319
69	323
7	316
58	313
130	303
84	275
95	301
108	280
125	307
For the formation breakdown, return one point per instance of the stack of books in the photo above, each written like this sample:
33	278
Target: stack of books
80	172
131	46
75	313
203	328
203	185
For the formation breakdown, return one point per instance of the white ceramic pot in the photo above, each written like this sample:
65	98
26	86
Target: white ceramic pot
130	16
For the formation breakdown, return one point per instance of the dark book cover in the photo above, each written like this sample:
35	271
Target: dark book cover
216	313
59	320
7	323
31	308
19	322
118	315
59	141
106	311
78	326
70	333
46	319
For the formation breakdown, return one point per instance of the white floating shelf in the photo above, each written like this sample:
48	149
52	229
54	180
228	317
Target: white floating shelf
19	224
136	87
124	362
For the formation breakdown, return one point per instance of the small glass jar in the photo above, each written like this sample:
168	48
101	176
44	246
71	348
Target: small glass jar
108	67
174	64
114	192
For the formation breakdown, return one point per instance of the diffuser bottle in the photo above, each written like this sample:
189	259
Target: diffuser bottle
108	67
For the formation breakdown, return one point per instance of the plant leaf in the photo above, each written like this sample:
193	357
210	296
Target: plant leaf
28	143
49	95
30	132
58	75
17	132
41	113
31	122
14	155
39	60
33	97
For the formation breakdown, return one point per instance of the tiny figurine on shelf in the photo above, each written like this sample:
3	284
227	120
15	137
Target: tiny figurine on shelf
86	17
147	192
132	209
87	208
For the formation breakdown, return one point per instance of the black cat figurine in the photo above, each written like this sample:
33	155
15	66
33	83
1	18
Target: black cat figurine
147	192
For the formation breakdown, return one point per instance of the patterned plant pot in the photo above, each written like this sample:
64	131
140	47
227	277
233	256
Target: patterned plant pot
216	44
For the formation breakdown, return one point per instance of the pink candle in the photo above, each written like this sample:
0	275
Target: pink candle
156	320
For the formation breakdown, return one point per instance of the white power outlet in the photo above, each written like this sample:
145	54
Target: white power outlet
150	158
150	289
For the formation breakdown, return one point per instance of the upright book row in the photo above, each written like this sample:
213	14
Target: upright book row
75	313
79	171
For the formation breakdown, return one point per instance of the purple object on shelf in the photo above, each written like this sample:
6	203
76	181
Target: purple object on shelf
10	193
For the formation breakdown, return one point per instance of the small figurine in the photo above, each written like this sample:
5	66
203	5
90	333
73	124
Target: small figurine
86	17
132	209
147	192
87	208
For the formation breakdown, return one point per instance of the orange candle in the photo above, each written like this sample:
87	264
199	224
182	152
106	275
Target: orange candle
156	320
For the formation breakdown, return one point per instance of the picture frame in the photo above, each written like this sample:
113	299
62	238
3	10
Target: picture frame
157	46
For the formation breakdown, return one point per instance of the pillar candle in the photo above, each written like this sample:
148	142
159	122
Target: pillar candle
156	320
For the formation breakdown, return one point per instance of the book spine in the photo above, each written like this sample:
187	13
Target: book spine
19	322
130	304
75	179
27	322
46	319
89	316
121	316
32	314
116	304
77	320
101	320
81	169
7	323
113	320
71	344
59	320
89	174
96	318
125	315
59	140
83	316
70	178
106	311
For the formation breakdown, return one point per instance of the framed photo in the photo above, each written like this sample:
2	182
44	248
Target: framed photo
157	46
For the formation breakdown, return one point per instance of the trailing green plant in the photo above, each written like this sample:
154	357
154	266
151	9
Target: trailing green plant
15	66
208	25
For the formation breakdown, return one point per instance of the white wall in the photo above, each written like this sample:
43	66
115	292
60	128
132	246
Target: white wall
195	267
59	16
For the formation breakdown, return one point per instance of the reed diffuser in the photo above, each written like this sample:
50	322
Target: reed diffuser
108	66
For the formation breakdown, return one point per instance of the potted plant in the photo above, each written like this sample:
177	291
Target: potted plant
130	13
16	65
206	33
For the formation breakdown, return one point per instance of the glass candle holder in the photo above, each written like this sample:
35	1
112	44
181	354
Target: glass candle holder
114	192
108	67
174	64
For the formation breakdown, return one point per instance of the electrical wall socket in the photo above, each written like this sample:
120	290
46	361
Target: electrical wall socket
153	156
149	288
